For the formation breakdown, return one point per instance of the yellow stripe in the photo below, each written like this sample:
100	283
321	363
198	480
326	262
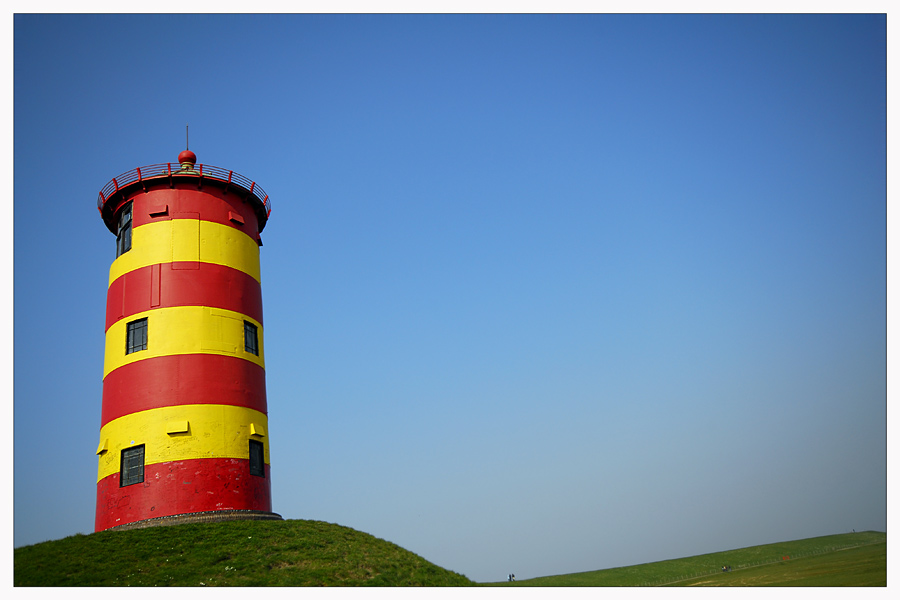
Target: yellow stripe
214	431
183	330
188	240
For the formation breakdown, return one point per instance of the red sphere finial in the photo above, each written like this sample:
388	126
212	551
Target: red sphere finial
186	156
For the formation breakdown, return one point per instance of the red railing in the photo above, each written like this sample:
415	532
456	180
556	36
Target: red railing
175	170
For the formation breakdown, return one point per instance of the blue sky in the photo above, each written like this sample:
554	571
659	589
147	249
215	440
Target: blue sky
543	293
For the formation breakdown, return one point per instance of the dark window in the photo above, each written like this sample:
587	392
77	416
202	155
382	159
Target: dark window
132	470
257	464
123	236
137	336
251	342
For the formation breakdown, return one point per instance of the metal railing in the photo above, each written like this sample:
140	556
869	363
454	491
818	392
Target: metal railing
140	174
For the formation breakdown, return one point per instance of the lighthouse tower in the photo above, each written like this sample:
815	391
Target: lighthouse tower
184	435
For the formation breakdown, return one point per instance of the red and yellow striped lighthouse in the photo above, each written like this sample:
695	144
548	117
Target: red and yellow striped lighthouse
184	433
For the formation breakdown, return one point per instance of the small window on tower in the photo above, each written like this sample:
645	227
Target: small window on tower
132	470
137	336
123	236
251	342
257	464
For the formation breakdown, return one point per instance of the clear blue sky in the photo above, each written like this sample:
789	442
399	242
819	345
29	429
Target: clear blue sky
543	294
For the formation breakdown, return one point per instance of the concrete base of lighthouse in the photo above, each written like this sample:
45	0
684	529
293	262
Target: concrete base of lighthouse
211	516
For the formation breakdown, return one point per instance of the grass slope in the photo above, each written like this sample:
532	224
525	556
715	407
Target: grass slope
852	559
864	566
235	553
313	553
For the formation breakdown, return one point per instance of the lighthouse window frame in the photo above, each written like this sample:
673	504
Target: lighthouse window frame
123	235
131	471
251	338
257	459
136	336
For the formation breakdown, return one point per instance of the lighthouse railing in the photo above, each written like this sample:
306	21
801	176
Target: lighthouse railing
175	170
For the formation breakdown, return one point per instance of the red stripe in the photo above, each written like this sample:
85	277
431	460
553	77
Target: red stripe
183	486
211	203
161	286
183	379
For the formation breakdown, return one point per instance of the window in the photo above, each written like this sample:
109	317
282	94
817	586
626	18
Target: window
137	336
257	464
123	236
132	470
251	342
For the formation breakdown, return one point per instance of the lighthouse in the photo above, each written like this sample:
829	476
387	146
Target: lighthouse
184	434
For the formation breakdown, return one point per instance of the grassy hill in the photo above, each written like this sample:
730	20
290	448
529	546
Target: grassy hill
234	553
851	559
313	553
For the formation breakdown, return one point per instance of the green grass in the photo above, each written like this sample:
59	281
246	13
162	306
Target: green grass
313	553
235	553
852	559
864	566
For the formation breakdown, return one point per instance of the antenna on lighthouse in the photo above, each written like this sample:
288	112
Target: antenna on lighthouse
186	147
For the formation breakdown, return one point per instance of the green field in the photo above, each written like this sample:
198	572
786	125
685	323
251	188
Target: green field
851	559
313	553
854	567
